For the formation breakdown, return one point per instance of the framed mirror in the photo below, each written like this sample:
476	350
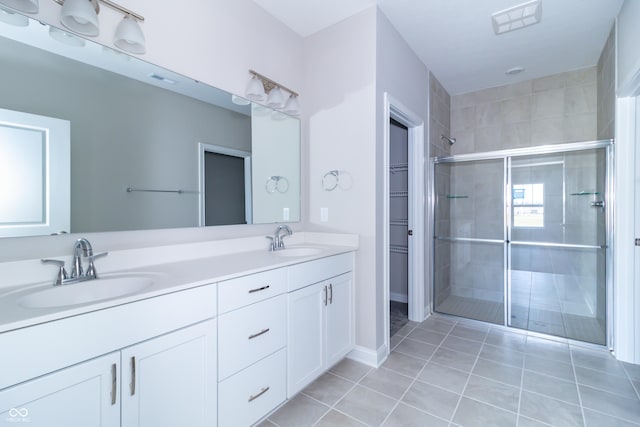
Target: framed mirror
139	136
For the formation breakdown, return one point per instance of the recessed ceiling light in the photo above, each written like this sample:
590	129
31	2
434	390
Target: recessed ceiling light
516	17
513	71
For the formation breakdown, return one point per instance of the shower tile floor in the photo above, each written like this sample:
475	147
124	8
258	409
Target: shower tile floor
455	372
553	304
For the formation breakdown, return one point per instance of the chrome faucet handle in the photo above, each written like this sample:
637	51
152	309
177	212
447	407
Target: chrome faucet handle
62	273
272	245
91	269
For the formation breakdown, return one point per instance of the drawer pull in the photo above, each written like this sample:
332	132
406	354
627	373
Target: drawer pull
259	289
330	293
263	391
114	383
262	332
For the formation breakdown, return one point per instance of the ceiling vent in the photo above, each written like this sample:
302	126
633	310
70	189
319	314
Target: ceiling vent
517	17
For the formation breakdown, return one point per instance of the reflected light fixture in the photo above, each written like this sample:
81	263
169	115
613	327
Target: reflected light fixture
28	6
81	16
12	18
258	88
65	37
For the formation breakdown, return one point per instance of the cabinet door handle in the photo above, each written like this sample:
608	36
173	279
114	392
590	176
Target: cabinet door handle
263	391
114	383
324	299
133	376
330	293
259	289
262	332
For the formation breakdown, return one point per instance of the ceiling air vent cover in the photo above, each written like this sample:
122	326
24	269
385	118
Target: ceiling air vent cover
517	17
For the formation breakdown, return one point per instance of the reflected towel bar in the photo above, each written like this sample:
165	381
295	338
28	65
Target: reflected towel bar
132	189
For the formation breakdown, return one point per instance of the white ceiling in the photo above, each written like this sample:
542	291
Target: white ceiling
455	38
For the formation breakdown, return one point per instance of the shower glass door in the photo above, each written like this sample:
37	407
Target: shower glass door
557	244
469	231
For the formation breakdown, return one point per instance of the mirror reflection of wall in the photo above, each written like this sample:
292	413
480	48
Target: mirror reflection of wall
128	133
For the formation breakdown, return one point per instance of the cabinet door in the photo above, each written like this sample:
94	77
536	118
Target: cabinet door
306	308
82	395
339	323
171	380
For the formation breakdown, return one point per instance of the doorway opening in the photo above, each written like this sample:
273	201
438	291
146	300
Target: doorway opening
398	226
225	186
405	207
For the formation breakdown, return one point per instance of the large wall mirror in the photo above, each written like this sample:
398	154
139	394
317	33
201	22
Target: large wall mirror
147	148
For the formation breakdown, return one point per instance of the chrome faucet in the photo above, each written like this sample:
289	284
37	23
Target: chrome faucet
81	248
277	241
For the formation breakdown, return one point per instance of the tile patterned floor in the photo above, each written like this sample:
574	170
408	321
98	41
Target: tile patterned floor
447	372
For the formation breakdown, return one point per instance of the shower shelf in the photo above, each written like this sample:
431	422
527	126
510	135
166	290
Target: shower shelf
586	193
399	222
399	194
456	196
399	249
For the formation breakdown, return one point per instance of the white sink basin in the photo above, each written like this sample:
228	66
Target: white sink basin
104	288
298	251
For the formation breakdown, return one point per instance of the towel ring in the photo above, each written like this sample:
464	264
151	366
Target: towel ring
330	180
277	183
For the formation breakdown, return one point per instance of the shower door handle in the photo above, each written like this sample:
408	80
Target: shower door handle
597	204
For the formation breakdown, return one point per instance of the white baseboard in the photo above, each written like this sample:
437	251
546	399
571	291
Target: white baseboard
369	357
393	296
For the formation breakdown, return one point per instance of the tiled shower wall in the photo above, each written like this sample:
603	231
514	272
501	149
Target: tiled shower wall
549	110
440	124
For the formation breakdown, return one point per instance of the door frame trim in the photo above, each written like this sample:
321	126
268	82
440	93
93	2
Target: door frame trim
393	109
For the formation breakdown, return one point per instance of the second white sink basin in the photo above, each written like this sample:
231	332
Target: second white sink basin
107	287
298	251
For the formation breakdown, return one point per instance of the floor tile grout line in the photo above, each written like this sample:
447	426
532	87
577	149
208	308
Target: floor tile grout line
416	379
633	384
475	362
573	366
524	363
333	407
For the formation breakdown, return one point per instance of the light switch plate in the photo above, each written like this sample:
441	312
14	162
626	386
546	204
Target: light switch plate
285	214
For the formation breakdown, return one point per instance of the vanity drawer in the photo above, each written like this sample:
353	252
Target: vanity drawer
251	394
308	273
236	293
251	333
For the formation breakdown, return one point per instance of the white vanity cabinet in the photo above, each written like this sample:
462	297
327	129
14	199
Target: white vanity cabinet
320	318
87	394
163	382
170	380
252	335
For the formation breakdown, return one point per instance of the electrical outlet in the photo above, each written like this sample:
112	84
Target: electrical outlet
324	214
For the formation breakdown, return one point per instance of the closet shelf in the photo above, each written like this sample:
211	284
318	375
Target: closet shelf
399	222
398	249
398	167
399	194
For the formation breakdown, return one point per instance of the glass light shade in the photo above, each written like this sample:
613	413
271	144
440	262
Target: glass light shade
80	16
12	18
292	107
255	90
275	98
29	6
129	36
239	100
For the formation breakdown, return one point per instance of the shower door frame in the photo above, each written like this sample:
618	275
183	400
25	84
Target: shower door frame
506	156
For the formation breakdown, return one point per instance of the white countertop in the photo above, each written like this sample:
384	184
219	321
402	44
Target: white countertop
168	277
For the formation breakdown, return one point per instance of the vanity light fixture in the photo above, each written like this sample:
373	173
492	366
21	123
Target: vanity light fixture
81	16
259	86
28	6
